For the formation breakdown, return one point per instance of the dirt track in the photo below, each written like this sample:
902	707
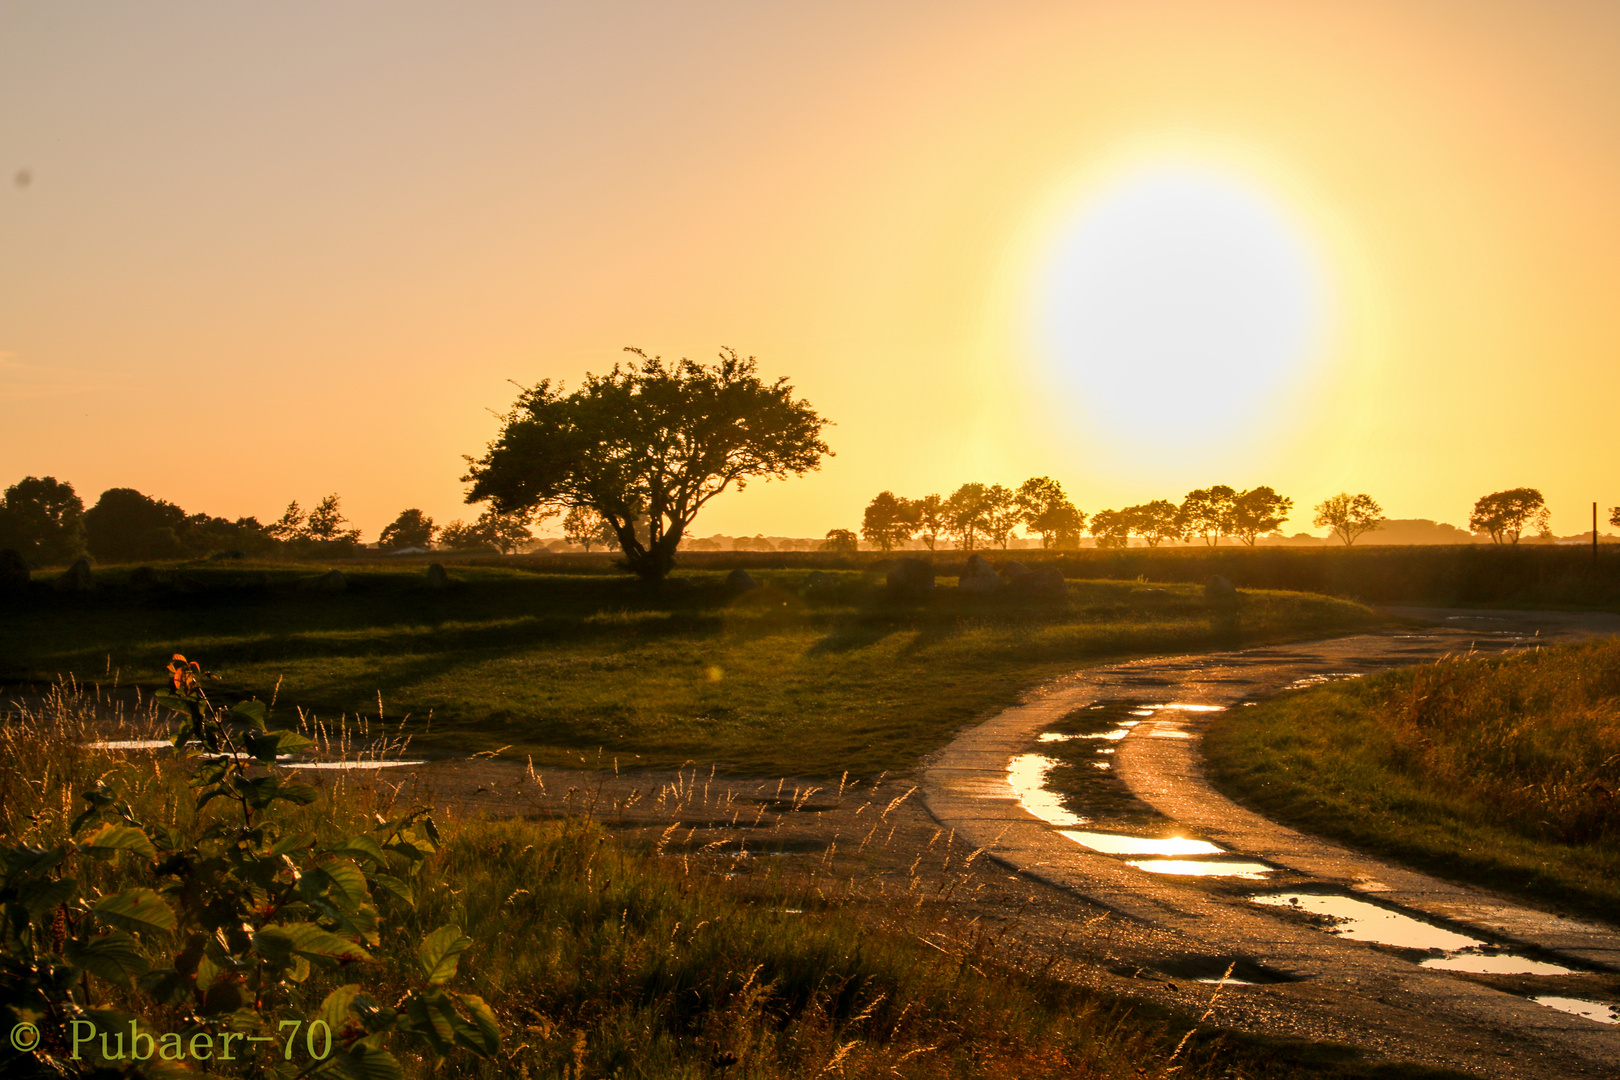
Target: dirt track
952	846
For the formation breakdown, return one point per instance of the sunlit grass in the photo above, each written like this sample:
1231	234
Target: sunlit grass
564	666
1500	771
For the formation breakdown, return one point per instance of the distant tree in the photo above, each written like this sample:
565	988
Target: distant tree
127	526
202	534
325	523
757	542
291	525
1506	514
42	519
1348	516
411	529
842	541
888	521
928	514
1256	511
1614	515
584	526
1112	528
505	532
1207	513
666	438
702	544
461	536
1001	515
1044	508
963	514
1155	522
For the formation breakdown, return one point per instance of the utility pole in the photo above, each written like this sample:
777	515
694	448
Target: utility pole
1594	534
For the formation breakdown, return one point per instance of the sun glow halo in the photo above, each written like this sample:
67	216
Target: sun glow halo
1177	306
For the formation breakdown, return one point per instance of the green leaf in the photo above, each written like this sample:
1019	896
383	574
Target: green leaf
340	881
115	956
256	713
110	839
393	886
279	942
483	1035
292	842
135	909
267	746
358	847
440	952
334	1010
365	1060
40	897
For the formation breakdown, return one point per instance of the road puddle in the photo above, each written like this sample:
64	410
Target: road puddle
1247	871
1323	678
1120	844
1360	920
1027	775
1599	1011
285	760
131	744
389	763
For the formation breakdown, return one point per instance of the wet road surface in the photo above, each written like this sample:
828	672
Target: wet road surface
967	788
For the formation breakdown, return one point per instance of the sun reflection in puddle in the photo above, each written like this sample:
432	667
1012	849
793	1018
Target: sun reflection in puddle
1250	871
1120	844
1493	963
1361	921
1027	775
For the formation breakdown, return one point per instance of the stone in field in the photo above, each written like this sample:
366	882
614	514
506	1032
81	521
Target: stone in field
740	580
911	577
979	576
437	578
77	578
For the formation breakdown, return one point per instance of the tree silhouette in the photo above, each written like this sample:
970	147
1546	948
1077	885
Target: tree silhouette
928	514
1001	515
1044	508
888	521
1112	528
964	514
411	529
1348	516
1207	512
660	438
1506	514
42	519
1256	511
1155	522
842	541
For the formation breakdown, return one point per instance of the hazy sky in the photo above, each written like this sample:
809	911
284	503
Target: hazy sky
251	253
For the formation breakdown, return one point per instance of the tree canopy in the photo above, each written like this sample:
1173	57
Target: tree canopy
1506	514
1044	508
411	529
663	437
1207	512
42	519
1256	511
1348	516
888	521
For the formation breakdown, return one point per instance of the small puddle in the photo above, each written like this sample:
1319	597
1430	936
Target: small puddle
1493	962
1599	1011
1120	844
1249	871
132	744
390	763
1322	679
1363	921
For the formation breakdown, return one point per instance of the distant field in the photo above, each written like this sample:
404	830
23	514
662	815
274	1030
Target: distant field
1505	772
592	665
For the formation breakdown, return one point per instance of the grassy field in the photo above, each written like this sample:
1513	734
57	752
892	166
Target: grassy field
601	959
594	666
1504	772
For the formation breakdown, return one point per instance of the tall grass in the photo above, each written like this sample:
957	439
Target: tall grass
1505	771
602	958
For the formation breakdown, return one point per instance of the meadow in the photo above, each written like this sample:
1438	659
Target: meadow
593	667
1500	771
596	956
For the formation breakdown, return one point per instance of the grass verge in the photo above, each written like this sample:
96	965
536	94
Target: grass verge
560	666
1502	771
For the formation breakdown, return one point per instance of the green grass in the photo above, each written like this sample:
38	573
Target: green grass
564	666
602	959
1503	772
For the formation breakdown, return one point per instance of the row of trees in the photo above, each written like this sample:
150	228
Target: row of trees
975	514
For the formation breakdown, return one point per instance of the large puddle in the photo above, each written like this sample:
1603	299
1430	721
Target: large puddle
1029	775
1360	920
1600	1011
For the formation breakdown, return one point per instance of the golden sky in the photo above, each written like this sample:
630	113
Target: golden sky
257	253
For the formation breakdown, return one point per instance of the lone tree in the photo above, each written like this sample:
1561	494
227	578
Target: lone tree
1258	510
1001	515
661	438
1506	514
1044	508
1348	516
889	521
